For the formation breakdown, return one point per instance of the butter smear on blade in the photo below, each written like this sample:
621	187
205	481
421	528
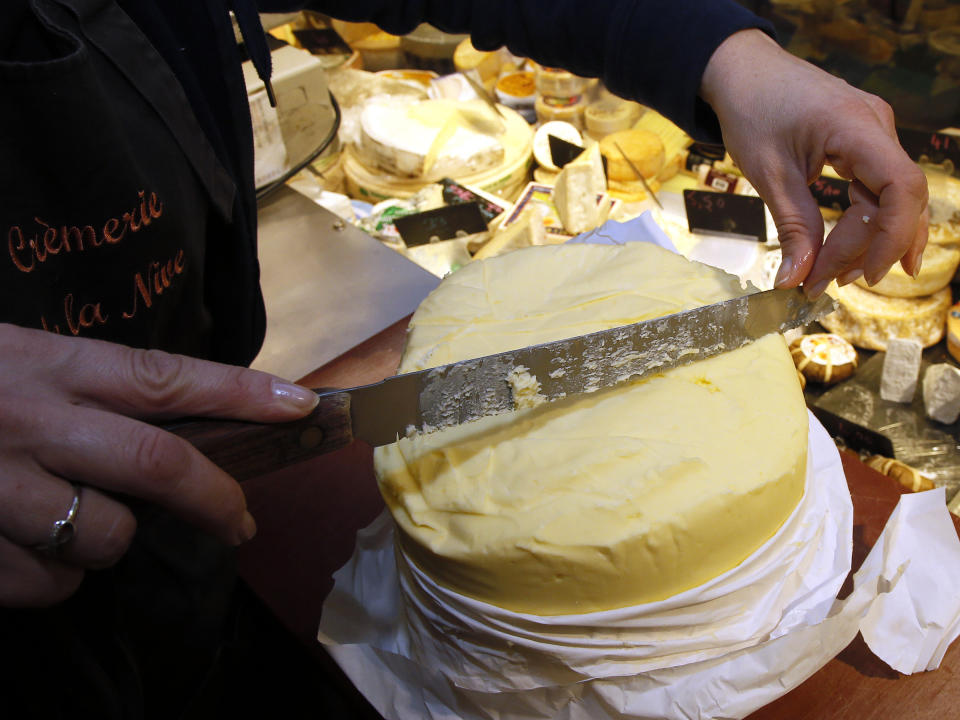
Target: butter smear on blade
622	496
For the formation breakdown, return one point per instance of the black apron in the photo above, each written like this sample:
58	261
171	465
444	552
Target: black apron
109	193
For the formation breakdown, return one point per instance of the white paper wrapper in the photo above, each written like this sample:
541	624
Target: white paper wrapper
722	650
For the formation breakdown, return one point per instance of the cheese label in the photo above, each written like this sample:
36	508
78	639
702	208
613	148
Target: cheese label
931	147
441	224
563	152
831	192
738	216
456	194
855	436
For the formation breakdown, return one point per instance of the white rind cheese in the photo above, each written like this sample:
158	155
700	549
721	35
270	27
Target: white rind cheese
615	498
432	138
901	369
941	393
868	320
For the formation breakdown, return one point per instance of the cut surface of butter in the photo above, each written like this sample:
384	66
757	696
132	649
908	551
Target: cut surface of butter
614	498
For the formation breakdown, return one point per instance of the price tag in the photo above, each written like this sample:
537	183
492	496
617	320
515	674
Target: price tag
933	146
442	223
456	194
561	151
831	192
740	216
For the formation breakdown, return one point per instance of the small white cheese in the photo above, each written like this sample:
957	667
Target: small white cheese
901	368
941	393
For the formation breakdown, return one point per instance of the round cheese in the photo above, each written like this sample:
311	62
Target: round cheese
541	141
610	115
555	82
614	498
567	109
868	320
824	357
944	197
644	148
939	264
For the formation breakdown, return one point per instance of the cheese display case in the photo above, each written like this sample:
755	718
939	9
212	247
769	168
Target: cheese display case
509	563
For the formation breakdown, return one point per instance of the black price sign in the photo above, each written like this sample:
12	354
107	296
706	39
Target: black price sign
933	146
456	194
831	192
440	224
740	216
561	151
856	437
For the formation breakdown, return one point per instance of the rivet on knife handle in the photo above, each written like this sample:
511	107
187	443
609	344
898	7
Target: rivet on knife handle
245	450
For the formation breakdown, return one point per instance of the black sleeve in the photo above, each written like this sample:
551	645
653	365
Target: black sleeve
652	51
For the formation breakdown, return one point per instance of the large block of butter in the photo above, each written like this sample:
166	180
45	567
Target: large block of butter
615	498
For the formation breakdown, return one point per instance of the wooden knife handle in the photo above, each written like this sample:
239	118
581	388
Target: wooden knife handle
247	449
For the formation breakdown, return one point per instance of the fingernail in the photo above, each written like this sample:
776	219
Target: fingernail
815	291
248	528
917	266
873	278
783	274
296	396
850	277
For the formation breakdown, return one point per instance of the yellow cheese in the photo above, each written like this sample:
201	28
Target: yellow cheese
868	320
644	148
674	139
526	230
615	498
939	264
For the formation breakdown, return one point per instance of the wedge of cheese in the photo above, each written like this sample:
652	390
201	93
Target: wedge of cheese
576	189
525	231
869	320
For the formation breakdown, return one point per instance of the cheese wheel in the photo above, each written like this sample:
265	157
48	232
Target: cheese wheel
554	82
644	148
568	109
609	116
943	197
939	264
467	57
541	141
868	320
947	233
824	357
615	498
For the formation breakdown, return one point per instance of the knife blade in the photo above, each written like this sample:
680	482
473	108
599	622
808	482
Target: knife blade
636	171
436	398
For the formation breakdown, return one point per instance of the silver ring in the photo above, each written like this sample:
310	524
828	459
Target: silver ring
63	531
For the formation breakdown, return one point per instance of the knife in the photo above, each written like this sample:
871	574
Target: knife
636	171
483	94
436	398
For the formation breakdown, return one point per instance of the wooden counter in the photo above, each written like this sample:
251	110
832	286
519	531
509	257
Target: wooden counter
308	516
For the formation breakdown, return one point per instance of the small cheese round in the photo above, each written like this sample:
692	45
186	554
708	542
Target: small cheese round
939	264
610	115
644	148
824	357
613	498
541	141
944	197
868	320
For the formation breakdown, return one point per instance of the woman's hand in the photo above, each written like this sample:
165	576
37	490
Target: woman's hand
782	120
77	411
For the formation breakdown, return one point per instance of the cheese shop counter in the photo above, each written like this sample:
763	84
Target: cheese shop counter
309	515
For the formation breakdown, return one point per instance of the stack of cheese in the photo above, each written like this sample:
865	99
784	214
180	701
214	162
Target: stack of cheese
404	145
899	305
615	498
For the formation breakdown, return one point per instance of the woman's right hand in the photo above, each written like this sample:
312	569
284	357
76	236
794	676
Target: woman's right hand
78	411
